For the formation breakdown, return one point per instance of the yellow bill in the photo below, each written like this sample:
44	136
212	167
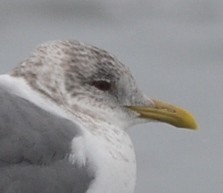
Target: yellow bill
167	113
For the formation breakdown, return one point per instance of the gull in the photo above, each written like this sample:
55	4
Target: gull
64	113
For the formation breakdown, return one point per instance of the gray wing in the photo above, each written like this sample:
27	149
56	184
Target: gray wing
34	145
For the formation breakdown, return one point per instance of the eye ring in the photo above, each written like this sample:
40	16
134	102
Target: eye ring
102	85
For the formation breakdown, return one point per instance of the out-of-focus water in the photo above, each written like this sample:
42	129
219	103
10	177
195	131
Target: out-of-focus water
175	50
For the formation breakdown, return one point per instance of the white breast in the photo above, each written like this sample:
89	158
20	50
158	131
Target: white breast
113	157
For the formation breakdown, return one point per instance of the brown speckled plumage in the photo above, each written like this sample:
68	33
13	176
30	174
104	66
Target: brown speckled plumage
64	71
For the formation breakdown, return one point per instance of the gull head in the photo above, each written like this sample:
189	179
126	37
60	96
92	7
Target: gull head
86	80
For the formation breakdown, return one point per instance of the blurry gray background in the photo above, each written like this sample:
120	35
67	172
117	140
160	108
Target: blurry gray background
175	51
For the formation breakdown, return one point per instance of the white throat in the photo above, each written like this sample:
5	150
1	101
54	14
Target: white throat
114	158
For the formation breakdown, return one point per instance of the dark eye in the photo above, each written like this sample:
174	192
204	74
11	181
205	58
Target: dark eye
102	85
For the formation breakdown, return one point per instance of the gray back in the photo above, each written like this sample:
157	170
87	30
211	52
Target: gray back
34	145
